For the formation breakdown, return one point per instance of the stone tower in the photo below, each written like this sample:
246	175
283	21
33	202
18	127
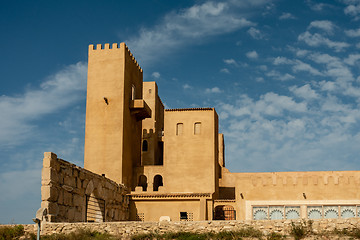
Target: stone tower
114	112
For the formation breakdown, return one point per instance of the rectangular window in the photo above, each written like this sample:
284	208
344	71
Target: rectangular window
179	129
186	216
197	128
183	216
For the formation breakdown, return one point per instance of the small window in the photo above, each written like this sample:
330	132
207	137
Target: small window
179	129
145	146
150	91
197	128
183	216
186	216
133	92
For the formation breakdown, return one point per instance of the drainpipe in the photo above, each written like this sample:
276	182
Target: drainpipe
38	222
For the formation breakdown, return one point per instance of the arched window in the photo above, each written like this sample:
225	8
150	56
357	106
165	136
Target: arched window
143	182
179	129
158	181
197	128
145	146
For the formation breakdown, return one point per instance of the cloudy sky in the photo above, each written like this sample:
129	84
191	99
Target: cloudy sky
282	75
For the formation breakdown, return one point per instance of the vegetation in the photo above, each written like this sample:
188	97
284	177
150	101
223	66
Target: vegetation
11	232
81	234
225	235
355	232
301	230
297	231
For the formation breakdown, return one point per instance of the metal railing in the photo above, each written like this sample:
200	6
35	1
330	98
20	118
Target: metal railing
95	209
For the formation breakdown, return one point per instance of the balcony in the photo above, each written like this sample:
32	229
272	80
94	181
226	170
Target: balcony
140	109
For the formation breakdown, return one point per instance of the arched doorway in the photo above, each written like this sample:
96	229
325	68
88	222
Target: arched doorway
95	208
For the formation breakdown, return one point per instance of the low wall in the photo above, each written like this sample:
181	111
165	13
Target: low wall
126	229
67	188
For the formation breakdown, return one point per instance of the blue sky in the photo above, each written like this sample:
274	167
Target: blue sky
282	75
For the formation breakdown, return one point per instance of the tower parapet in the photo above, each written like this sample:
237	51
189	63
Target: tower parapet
114	46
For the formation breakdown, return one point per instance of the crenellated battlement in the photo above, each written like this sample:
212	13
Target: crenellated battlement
316	178
107	46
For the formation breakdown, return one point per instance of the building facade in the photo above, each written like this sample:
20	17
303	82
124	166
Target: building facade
172	160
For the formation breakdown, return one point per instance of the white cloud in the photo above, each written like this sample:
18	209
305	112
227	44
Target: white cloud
352	9
156	75
287	16
297	65
224	70
302	52
352	58
276	132
305	92
300	66
324	25
279	76
335	68
230	61
252	55
282	60
299	52
187	86
353	32
213	90
316	40
255	33
263	67
187	26
60	90
319	6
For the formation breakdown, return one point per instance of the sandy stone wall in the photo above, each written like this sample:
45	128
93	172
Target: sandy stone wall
126	229
66	188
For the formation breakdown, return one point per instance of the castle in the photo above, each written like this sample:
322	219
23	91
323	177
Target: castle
147	163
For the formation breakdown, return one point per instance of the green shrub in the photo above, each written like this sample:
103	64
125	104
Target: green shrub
11	232
224	235
81	234
299	231
275	236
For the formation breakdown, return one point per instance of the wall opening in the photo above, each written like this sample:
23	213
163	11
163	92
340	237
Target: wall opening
143	182
95	209
145	146
158	181
133	92
186	216
179	129
160	158
224	212
197	128
183	216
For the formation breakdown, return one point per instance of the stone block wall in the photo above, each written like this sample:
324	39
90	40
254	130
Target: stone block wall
66	189
127	229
